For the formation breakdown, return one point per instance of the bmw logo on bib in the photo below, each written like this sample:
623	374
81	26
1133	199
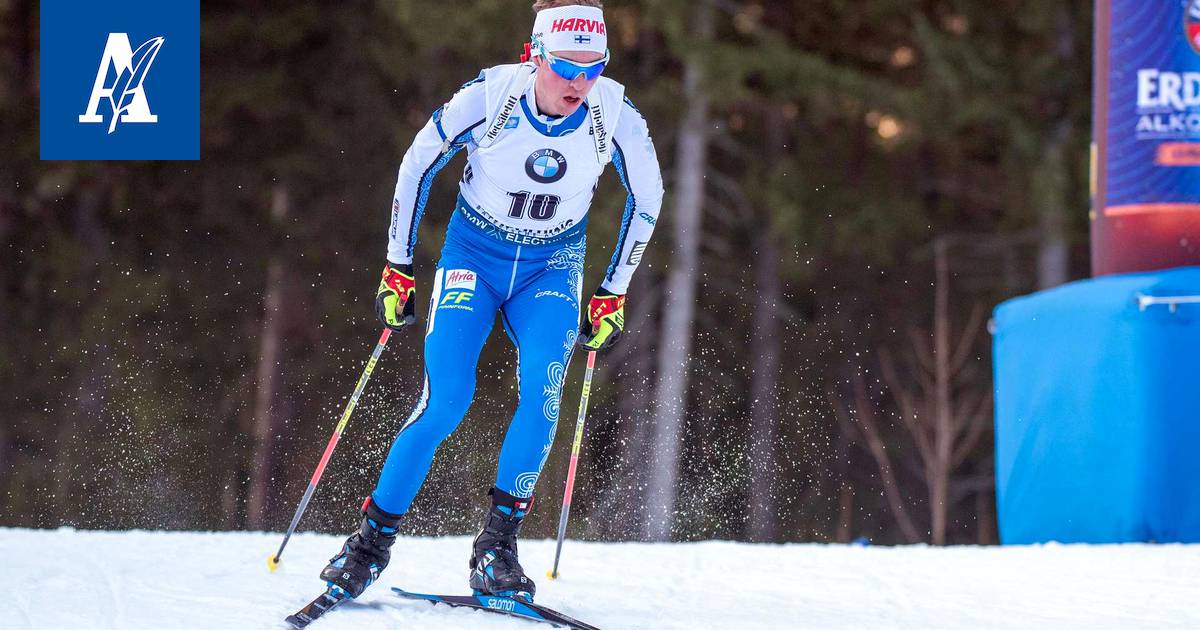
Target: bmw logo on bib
546	166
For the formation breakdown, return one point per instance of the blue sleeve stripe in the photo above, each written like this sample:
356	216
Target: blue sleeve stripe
426	181
478	79
634	107
437	120
630	205
464	137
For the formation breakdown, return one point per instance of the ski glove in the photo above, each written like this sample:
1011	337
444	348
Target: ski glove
605	321
395	300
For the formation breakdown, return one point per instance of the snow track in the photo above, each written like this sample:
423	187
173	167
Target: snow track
142	579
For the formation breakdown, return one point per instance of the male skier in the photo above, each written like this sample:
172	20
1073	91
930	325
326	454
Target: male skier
537	134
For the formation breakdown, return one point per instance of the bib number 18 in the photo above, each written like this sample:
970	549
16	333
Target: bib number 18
539	207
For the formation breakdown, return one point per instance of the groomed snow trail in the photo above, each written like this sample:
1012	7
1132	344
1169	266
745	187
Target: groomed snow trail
54	579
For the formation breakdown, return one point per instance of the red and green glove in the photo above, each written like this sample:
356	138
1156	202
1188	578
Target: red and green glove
605	321
395	299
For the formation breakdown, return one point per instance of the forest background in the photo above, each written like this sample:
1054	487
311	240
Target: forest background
851	187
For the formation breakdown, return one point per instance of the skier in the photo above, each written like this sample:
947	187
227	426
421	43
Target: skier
537	134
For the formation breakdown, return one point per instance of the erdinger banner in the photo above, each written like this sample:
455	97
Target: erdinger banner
1146	162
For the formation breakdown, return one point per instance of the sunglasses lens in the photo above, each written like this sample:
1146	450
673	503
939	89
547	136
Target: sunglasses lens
569	71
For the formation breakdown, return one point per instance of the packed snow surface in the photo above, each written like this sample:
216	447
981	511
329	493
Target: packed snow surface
64	578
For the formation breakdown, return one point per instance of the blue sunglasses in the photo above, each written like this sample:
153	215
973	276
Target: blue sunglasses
570	69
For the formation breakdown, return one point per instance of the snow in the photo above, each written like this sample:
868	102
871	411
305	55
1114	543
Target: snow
148	579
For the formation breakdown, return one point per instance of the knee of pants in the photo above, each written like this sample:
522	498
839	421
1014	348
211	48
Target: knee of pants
541	390
440	412
453	404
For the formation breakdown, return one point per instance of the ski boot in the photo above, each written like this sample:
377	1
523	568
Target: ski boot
365	553
494	566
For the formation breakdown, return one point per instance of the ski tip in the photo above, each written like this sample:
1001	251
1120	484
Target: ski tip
272	563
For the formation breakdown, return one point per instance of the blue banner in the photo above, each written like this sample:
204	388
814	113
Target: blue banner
1098	411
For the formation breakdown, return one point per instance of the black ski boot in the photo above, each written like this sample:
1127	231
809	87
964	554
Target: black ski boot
494	566
365	553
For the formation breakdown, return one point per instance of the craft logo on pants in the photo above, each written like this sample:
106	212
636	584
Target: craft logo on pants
120	81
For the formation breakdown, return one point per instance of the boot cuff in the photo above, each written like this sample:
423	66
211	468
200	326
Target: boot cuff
385	519
510	504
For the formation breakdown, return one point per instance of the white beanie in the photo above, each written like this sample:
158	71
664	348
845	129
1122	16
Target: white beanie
573	27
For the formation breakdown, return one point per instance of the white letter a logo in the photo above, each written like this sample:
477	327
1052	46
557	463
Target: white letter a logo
124	94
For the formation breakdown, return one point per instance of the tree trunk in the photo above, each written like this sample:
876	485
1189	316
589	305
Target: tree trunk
266	419
680	299
765	350
944	434
985	515
841	473
845	512
7	465
1051	180
868	424
1050	195
229	498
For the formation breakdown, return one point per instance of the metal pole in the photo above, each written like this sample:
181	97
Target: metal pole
566	506
273	561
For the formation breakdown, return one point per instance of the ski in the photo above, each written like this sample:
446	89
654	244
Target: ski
504	606
330	599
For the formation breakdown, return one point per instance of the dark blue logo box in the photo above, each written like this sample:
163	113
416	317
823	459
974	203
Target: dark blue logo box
148	54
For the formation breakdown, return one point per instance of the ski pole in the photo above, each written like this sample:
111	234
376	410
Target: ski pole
273	561
566	506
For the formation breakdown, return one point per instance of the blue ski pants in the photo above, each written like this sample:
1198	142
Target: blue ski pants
535	286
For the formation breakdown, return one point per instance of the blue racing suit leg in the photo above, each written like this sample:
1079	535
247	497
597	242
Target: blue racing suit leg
542	319
462	310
